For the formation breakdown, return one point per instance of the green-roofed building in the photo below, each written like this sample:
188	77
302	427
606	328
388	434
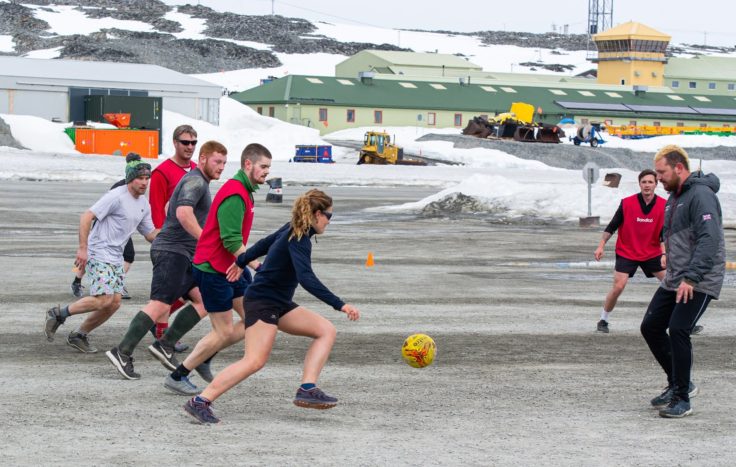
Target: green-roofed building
702	74
386	88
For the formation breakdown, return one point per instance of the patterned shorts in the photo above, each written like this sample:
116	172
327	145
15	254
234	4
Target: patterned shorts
104	278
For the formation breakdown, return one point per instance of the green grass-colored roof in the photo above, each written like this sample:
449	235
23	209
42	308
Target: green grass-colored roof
391	94
702	67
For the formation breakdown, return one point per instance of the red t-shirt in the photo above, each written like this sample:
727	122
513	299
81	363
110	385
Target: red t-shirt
164	179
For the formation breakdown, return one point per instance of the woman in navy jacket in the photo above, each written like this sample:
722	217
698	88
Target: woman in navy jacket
269	307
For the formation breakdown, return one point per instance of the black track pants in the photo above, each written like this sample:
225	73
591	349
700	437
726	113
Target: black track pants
674	352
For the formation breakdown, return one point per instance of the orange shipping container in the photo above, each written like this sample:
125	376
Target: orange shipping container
105	141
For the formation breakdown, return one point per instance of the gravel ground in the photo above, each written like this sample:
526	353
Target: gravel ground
521	377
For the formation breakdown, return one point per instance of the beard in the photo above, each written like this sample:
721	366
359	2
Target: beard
672	185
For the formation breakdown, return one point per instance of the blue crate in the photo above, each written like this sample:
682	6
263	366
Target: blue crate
313	153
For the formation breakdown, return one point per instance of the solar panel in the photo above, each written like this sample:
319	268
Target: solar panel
593	106
706	111
665	109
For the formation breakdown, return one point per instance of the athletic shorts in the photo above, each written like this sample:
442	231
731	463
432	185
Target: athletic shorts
629	266
266	310
217	292
104	278
129	252
172	276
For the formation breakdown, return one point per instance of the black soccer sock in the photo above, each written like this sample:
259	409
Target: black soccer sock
77	280
136	331
186	318
180	372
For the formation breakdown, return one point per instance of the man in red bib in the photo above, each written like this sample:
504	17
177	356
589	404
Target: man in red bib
639	220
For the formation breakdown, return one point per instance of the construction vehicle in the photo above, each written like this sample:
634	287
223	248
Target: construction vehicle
377	149
590	134
517	123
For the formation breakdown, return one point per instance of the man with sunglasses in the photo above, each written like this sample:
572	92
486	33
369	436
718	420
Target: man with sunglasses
164	179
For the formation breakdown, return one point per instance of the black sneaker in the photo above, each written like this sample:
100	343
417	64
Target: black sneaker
677	408
664	399
164	354
314	399
602	326
53	321
77	289
696	330
123	363
201	411
80	342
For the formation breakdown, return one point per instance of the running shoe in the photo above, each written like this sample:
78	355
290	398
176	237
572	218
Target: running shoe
80	342
123	363
77	289
602	326
183	387
180	347
201	411
205	372
53	321
164	354
664	399
696	330
677	408
125	295
314	399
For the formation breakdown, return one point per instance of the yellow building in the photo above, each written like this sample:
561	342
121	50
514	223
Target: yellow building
631	54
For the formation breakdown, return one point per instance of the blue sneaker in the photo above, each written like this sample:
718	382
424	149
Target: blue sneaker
201	411
314	399
677	408
663	400
183	386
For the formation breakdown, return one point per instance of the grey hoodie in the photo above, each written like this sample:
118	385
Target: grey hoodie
693	236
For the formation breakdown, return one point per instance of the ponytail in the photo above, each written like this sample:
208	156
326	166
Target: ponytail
302	214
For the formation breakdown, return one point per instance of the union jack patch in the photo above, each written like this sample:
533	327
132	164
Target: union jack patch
706	217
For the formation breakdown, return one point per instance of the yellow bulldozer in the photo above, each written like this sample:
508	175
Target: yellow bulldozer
518	124
377	149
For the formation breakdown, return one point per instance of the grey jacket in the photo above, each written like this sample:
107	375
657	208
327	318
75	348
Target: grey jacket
693	236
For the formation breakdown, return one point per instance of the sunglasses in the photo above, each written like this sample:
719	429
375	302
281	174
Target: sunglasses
328	215
187	143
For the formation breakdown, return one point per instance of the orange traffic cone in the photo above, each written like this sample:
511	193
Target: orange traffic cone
369	262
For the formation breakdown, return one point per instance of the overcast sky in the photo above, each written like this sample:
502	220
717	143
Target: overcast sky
709	21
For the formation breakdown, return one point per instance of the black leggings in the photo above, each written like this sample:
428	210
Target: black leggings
673	352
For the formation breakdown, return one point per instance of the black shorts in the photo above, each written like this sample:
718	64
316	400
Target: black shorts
265	310
629	266
172	276
129	252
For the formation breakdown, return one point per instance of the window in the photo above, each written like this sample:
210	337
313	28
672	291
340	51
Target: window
657	123
315	80
675	84
614	94
458	119
711	85
701	98
488	88
558	92
350	117
437	86
431	118
584	121
692	85
259	109
407	85
345	82
322	114
271	111
703	125
731	86
508	89
378	116
680	123
609	122
632	122
586	93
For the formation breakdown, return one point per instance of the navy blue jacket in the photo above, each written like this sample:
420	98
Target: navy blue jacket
288	264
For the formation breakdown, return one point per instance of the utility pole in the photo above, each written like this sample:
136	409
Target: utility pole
272	2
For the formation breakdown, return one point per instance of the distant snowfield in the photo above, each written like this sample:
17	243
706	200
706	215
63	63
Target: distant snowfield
496	180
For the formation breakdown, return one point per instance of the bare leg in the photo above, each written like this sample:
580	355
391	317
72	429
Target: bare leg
100	315
259	340
222	328
303	322
619	284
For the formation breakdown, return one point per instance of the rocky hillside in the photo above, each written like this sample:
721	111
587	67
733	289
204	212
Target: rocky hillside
217	53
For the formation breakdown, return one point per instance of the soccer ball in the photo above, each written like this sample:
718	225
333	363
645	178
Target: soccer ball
418	350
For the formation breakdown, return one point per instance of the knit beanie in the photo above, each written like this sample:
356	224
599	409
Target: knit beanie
135	167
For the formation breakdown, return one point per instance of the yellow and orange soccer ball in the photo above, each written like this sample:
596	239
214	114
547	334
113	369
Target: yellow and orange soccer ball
419	350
